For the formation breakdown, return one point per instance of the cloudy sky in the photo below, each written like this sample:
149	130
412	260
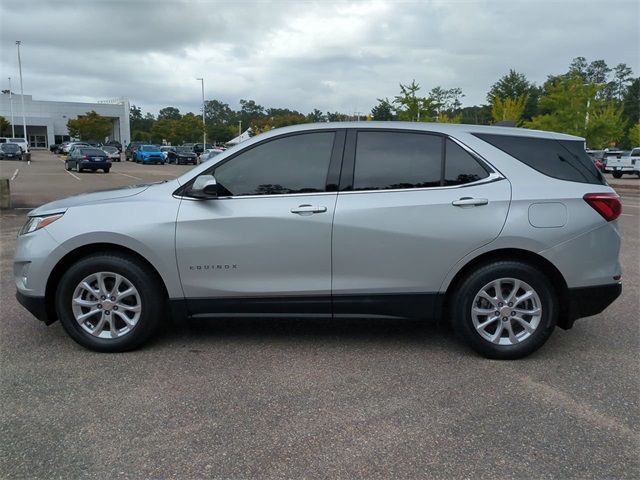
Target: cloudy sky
331	55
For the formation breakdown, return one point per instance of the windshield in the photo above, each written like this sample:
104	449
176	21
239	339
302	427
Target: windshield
110	149
92	152
149	148
185	149
18	140
9	147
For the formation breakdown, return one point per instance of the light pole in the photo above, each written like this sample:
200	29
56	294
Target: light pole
24	121
204	131
13	127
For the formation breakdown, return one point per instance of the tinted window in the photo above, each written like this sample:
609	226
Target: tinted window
10	147
461	167
562	159
184	149
150	148
391	160
92	152
295	164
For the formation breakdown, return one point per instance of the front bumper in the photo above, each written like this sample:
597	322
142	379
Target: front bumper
588	301
152	159
36	306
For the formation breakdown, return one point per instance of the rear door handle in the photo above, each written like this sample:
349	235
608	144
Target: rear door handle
308	209
469	202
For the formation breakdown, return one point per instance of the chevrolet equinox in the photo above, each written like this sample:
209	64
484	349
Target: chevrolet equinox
506	232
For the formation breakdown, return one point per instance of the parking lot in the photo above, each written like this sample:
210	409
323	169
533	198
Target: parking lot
310	398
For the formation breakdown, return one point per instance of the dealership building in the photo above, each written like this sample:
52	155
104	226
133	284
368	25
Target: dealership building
47	120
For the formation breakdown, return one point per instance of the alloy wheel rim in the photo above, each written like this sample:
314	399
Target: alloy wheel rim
106	305
506	311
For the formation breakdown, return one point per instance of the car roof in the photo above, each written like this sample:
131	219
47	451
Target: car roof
445	128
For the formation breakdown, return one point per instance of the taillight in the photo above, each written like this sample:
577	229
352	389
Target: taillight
84	157
606	204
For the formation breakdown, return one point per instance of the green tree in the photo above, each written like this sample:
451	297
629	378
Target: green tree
165	129
634	135
316	116
572	106
264	124
476	115
171	113
5	126
445	100
250	111
383	111
189	128
337	117
508	109
516	85
631	103
219	133
90	126
410	106
218	112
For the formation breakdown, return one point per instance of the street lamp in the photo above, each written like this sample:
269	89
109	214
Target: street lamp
13	127
204	131
24	121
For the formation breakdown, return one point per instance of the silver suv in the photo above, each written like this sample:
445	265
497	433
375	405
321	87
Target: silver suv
506	232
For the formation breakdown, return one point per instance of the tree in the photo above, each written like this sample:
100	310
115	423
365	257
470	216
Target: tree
411	107
445	100
250	111
516	85
265	124
135	113
218	112
189	128
383	111
573	107
219	133
631	103
90	126
476	115
622	78
5	126
634	135
509	109
445	118
316	116
171	113
165	129
337	117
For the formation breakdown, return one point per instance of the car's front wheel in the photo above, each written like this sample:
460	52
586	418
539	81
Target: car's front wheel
109	302
617	174
505	309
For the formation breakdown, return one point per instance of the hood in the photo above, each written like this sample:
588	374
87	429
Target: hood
88	199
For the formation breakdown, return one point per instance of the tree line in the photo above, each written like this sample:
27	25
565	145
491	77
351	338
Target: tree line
590	100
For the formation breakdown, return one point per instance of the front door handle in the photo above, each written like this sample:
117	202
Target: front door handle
308	209
469	202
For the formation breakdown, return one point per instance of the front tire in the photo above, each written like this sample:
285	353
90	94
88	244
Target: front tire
109	302
505	310
617	174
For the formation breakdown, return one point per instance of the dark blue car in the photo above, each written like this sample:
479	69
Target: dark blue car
87	158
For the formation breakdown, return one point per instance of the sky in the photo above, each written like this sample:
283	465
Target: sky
330	55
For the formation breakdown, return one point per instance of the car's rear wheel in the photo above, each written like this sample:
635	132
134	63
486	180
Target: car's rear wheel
617	174
505	310
106	170
109	303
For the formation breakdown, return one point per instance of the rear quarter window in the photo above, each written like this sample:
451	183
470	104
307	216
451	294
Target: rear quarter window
561	159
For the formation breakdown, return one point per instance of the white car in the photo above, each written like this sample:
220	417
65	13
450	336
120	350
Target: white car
209	153
24	145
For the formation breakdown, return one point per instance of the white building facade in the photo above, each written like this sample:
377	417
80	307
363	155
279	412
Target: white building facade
47	121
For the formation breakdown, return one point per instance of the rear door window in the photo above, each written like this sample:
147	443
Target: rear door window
562	159
397	160
461	167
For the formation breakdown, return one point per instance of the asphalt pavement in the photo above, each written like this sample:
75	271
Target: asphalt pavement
310	398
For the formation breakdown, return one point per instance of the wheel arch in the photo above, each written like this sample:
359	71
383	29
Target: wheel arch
526	256
84	251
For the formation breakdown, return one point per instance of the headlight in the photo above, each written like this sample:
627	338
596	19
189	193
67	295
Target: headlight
36	223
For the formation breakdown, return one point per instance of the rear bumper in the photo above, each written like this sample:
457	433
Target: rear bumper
94	165
588	301
36	306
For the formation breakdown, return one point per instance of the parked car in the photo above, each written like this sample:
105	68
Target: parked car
59	148
10	151
94	143
21	142
182	155
69	146
598	158
626	163
209	154
130	151
114	143
112	153
198	148
87	158
506	232
149	154
165	149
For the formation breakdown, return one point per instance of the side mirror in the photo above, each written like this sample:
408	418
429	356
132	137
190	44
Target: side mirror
205	186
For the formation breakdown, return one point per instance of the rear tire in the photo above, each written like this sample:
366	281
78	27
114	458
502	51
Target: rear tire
494	324
91	285
106	170
617	174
